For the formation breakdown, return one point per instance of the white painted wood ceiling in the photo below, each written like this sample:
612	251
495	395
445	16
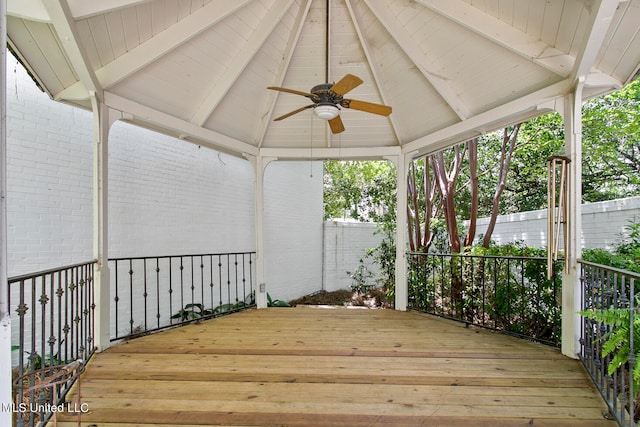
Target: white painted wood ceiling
450	69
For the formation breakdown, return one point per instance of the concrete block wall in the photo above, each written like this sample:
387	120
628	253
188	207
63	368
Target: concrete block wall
602	224
345	243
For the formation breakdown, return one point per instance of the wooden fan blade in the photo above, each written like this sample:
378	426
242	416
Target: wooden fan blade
336	125
293	91
293	112
369	107
346	84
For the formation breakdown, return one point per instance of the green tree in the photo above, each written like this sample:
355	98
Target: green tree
611	145
360	190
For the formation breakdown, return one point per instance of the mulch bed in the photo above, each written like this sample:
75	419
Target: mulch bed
375	298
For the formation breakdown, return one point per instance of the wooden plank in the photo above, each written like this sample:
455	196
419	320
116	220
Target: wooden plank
303	366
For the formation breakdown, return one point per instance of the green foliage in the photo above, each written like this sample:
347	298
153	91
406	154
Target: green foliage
361	277
364	191
276	302
197	311
504	287
611	145
192	312
626	256
36	362
626	253
617	339
384	255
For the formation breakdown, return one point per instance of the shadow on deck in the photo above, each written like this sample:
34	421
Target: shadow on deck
335	367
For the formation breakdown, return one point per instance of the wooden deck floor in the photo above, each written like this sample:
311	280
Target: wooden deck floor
335	367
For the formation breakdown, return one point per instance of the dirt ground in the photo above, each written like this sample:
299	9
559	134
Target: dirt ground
375	298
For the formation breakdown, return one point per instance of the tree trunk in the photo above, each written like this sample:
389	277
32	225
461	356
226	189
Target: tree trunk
508	145
473	186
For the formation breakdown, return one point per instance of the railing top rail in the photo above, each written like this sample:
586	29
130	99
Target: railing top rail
481	256
611	269
181	255
28	276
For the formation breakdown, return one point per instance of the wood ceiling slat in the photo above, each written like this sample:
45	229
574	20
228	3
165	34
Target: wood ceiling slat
117	34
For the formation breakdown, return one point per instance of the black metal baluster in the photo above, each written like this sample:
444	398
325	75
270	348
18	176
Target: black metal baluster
83	312
116	300
158	292
22	311
235	262
632	353
484	291
228	280
472	289
251	284
170	290
131	297
182	284
244	279
220	276
52	333
59	293
146	293
77	314
193	288
92	308
202	282
523	297
211	290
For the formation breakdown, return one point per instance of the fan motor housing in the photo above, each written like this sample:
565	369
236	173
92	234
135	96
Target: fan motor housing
322	94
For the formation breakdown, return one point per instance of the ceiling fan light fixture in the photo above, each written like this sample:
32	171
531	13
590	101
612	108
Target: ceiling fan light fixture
327	112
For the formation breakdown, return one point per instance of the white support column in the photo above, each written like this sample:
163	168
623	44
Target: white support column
401	162
102	122
571	276
5	318
259	164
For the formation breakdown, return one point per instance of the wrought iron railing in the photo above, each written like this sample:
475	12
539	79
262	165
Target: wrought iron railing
613	294
506	293
53	325
154	293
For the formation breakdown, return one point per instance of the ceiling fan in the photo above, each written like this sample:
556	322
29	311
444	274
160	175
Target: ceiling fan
328	99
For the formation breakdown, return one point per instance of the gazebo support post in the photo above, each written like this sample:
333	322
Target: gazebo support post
401	163
572	114
102	122
259	164
5	317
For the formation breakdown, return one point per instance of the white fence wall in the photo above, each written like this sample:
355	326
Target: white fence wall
602	224
345	244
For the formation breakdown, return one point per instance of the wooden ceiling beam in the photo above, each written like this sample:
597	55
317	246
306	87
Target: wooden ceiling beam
374	71
81	9
67	33
281	72
434	76
221	86
503	34
159	45
147	116
600	17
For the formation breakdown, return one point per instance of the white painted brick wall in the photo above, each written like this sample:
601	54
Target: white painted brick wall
294	235
48	178
602	224
345	243
166	196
